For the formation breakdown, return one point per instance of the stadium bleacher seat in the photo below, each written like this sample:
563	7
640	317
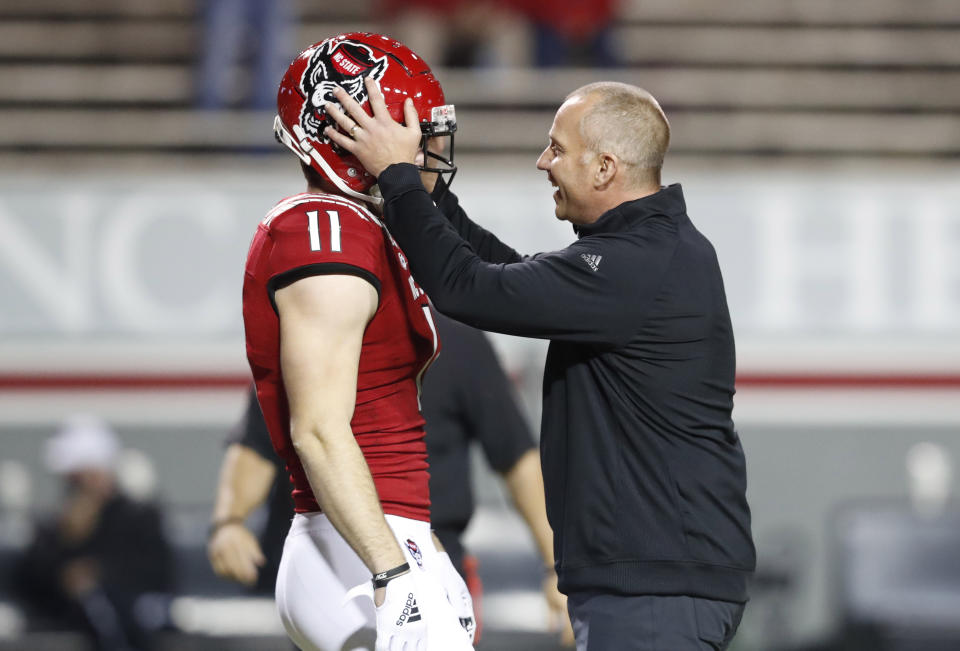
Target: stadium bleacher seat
863	78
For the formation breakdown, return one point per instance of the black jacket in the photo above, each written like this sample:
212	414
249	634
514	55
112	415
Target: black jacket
644	474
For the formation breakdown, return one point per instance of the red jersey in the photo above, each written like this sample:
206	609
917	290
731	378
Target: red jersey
310	234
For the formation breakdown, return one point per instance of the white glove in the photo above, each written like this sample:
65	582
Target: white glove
400	624
457	594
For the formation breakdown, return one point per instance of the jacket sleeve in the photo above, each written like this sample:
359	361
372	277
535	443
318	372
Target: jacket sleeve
558	295
484	243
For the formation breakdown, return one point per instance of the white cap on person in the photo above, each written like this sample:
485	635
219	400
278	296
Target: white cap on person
83	442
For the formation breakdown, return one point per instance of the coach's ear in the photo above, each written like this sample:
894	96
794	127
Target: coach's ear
606	172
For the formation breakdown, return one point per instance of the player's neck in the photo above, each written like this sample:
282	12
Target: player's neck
318	189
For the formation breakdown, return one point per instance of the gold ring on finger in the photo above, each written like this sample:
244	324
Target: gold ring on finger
354	129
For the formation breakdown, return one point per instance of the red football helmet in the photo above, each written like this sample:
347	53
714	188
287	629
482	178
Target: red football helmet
345	61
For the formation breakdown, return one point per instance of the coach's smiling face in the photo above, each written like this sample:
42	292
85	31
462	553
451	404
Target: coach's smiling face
570	165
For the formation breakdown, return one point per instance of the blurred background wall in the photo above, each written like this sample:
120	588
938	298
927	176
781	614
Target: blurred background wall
818	143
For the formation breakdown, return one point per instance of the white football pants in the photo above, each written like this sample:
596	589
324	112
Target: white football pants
317	569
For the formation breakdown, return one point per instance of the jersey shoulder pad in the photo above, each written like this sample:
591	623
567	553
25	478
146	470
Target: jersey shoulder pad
320	229
322	203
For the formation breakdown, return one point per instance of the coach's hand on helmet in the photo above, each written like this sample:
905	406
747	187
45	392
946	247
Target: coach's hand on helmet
377	141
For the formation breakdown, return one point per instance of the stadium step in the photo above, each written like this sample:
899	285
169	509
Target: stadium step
80	86
740	132
810	12
861	77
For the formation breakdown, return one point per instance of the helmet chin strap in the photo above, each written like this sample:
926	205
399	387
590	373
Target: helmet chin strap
300	145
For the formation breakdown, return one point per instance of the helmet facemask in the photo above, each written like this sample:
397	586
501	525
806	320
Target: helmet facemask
439	159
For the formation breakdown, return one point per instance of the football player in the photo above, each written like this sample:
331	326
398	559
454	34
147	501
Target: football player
338	338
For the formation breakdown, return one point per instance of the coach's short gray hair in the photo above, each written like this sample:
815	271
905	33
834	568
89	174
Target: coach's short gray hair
626	121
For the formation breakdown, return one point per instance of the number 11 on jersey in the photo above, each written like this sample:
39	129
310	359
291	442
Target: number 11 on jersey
314	226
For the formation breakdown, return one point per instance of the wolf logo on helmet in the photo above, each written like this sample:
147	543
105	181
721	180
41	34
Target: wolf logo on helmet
343	64
346	61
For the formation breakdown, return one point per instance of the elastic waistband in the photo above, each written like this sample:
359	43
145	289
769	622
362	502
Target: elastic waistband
319	522
305	522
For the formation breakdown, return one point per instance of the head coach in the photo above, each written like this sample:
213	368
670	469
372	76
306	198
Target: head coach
644	472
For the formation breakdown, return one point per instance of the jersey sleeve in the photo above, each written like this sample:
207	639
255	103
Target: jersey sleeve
322	237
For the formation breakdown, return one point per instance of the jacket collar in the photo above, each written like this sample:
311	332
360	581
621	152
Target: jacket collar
668	201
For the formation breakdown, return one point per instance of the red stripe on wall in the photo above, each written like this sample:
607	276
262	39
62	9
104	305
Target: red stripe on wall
120	382
849	380
182	381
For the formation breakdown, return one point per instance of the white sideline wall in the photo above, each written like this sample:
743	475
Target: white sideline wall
118	269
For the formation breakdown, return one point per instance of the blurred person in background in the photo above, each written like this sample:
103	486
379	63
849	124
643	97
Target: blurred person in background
577	33
249	37
466	398
338	337
251	475
102	565
508	33
460	33
644	472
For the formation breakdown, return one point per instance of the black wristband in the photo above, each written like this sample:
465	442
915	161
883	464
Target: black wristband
381	580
